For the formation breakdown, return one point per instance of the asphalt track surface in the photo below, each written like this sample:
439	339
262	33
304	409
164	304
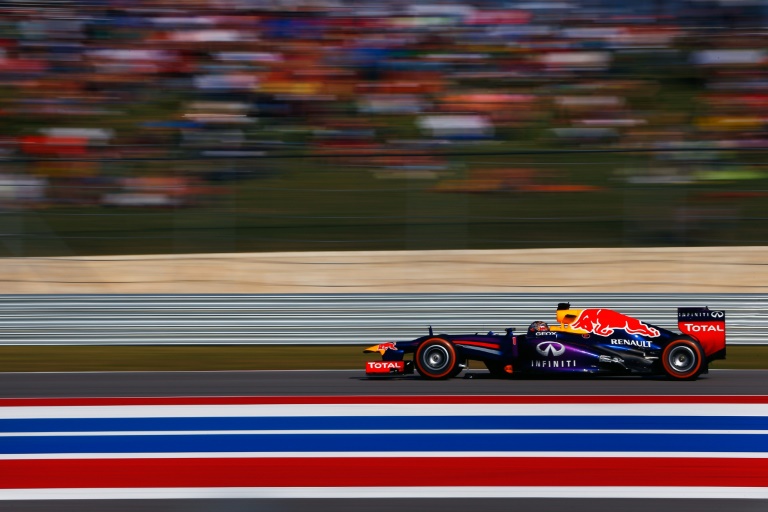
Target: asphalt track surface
355	382
336	383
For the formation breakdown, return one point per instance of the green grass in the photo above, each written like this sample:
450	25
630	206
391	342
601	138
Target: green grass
240	357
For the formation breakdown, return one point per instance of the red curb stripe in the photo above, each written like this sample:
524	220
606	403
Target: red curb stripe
382	472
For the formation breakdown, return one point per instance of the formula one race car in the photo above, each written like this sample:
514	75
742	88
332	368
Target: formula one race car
584	341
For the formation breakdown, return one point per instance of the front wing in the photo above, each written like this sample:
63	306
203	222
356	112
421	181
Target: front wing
389	367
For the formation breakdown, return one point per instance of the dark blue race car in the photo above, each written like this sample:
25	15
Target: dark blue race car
584	341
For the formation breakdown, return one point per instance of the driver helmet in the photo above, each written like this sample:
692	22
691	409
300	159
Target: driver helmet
538	327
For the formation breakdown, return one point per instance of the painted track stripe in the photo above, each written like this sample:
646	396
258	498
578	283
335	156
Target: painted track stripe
390	454
385	446
419	399
394	409
385	492
309	443
385	472
572	423
373	431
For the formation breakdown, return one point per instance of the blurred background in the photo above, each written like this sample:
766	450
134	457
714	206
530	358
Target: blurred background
201	126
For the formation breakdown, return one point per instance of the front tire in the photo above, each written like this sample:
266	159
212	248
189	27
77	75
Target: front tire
683	360
436	359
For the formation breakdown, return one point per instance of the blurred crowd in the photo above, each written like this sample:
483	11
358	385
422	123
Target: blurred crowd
137	80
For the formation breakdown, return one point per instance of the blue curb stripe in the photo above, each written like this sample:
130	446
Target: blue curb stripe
309	443
683	423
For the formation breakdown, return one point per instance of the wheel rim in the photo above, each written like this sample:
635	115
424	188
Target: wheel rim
682	359
436	358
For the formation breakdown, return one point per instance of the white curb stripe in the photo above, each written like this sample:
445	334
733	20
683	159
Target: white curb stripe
366	410
385	492
377	454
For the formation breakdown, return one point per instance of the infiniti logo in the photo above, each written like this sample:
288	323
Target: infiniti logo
717	314
550	348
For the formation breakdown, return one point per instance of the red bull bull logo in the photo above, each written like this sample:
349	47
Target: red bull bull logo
382	347
604	322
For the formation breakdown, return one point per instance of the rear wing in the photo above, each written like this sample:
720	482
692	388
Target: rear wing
707	327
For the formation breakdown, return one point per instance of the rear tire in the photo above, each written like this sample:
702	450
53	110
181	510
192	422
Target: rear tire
683	360
436	359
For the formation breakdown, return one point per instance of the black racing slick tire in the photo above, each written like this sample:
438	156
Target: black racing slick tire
683	360
436	359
